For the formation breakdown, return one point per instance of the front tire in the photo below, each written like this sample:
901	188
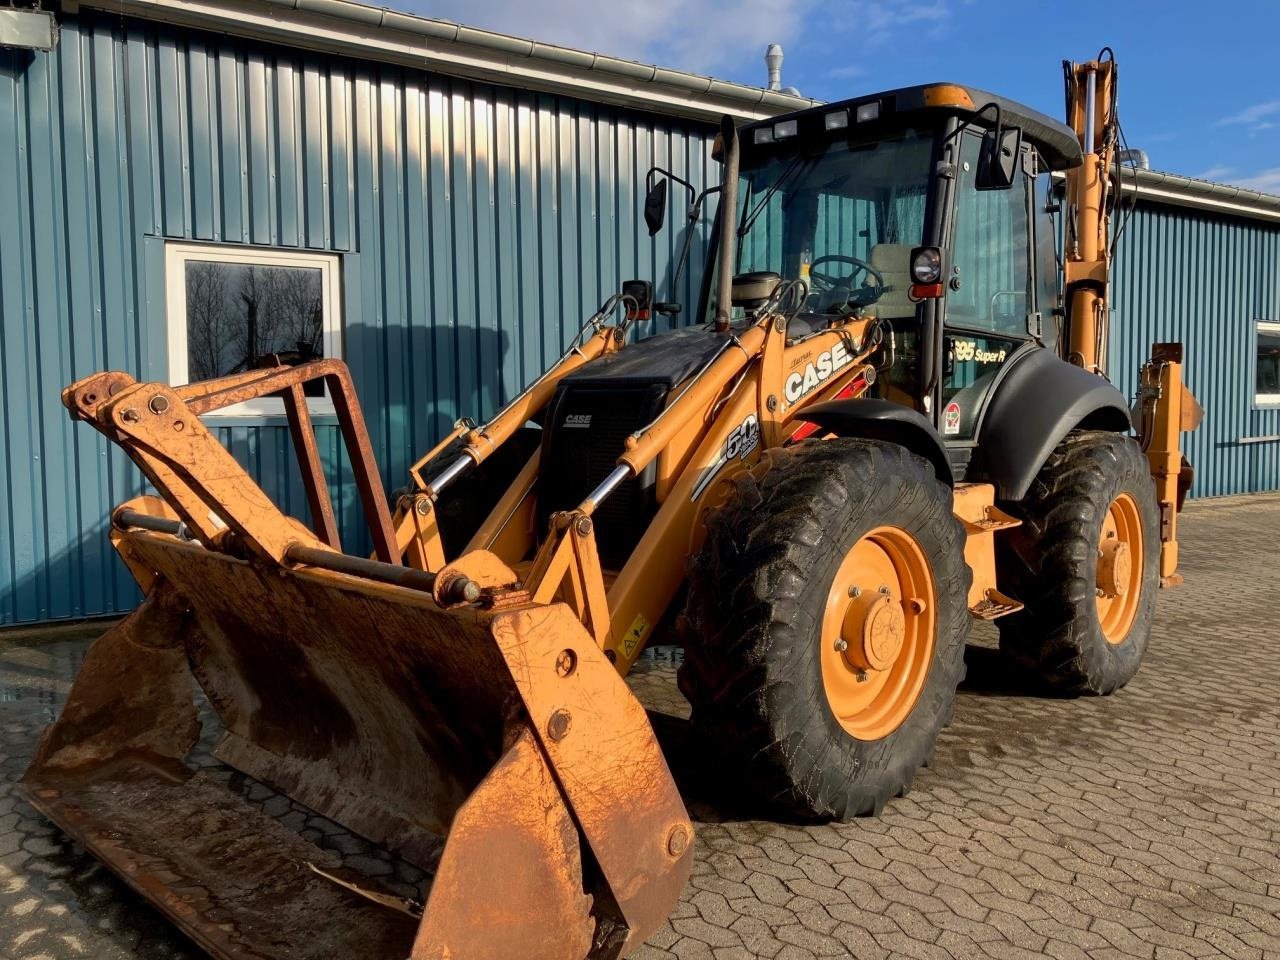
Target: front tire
840	541
1085	563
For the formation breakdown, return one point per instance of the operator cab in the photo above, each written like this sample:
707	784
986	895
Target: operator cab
925	208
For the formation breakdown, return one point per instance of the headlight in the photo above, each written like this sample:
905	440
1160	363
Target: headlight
926	265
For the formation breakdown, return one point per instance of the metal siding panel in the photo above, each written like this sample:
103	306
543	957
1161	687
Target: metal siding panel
200	77
341	184
257	134
1191	276
45	312
479	224
417	253
233	209
315	155
506	245
82	316
287	165
393	341
170	92
463	268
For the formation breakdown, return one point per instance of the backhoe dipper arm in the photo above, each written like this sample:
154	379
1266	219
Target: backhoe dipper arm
1165	407
1087	257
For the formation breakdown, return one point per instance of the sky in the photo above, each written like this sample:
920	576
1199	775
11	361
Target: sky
1199	84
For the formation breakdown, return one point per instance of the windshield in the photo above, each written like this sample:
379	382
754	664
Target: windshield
844	217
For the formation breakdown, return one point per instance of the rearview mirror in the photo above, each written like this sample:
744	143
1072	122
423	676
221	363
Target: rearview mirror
998	158
655	205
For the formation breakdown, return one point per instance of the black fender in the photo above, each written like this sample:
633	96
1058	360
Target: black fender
871	418
1036	403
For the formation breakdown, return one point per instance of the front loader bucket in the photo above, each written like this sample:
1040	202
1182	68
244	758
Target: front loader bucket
496	748
469	731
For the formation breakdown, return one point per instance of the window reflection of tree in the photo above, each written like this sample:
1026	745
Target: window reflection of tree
240	316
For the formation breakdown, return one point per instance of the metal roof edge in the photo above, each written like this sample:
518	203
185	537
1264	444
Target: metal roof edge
1176	190
1189	192
344	27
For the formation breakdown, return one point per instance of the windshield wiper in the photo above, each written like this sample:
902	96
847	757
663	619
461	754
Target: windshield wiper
792	167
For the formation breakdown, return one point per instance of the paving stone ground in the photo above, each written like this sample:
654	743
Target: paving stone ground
1141	825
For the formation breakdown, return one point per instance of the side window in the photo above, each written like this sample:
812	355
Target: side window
989	295
1266	384
232	309
990	255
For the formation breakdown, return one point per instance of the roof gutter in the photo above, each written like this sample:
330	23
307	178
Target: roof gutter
346	28
1189	192
1156	186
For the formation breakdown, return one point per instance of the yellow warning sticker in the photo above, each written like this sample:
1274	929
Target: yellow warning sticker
635	633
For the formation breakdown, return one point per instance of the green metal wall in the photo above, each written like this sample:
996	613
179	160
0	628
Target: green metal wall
478	226
1203	279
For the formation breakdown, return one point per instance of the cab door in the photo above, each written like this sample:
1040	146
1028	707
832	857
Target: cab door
990	303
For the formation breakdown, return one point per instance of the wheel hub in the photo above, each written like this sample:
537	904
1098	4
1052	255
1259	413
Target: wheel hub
1115	564
875	629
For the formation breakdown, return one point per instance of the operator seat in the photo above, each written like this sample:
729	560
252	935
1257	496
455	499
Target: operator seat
893	261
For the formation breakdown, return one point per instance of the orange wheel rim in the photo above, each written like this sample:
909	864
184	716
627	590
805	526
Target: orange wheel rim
878	633
1119	572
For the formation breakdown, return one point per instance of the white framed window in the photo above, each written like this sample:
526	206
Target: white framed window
231	308
1266	380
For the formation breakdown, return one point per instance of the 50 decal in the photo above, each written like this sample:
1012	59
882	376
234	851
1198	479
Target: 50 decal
744	439
816	372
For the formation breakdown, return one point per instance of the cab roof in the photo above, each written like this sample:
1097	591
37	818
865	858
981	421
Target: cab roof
1055	141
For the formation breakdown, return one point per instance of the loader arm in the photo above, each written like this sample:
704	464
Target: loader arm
406	705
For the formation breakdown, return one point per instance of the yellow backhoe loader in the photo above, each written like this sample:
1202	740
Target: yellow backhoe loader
888	417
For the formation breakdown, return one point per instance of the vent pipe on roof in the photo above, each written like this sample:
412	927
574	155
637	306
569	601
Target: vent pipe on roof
773	62
1136	157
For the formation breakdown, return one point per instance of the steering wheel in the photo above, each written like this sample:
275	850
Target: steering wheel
830	281
837	293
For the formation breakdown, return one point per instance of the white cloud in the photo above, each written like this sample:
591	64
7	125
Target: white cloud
1216	172
1264	181
704	36
1254	117
698	35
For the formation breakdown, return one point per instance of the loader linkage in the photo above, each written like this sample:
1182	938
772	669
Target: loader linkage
407	706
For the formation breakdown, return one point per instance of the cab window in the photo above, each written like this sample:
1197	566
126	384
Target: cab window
990	288
989	293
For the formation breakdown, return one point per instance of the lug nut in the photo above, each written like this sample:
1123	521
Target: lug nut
855	592
841	645
584	526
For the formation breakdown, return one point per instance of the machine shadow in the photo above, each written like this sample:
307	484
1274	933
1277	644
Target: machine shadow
717	790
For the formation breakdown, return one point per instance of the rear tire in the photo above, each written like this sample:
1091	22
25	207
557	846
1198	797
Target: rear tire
763	592
1071	635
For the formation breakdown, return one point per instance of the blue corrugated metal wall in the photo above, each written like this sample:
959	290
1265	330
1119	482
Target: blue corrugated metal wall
478	227
1185	275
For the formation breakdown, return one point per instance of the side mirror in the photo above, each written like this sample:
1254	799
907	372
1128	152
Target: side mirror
655	205
998	158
